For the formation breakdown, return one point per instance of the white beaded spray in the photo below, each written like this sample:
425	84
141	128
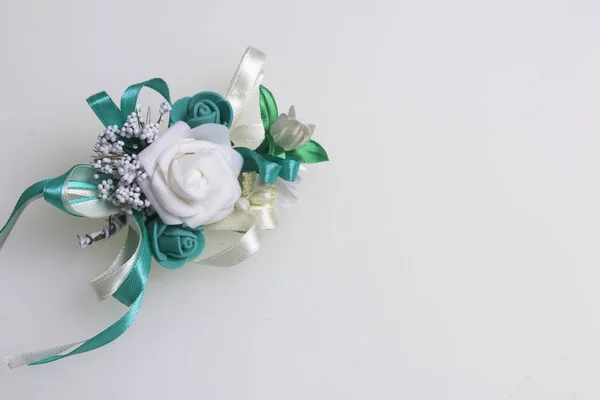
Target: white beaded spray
116	157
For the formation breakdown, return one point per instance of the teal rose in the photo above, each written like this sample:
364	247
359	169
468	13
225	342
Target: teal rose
174	245
202	108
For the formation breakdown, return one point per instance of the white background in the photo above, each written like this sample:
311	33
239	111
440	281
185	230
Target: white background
448	251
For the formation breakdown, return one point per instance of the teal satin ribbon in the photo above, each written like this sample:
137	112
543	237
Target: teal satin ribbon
75	193
131	294
54	191
108	112
269	167
70	193
267	160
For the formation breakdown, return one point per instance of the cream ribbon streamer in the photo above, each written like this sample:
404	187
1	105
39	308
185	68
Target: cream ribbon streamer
244	86
108	282
245	81
242	248
35	356
252	223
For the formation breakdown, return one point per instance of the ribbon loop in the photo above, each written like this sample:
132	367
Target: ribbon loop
108	283
269	167
245	81
75	193
267	170
30	194
129	98
107	111
243	248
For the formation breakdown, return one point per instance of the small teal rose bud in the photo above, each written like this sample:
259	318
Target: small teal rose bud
174	245
202	108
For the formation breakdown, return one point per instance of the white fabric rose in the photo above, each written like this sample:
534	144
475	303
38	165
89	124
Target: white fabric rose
192	174
290	133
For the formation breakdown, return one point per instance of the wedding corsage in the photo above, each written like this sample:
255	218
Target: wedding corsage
175	179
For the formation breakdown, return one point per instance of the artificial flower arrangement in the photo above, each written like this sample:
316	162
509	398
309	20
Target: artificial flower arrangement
173	186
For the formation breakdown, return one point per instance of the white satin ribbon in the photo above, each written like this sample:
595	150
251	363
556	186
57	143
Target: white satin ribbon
244	86
251	223
245	81
237	252
248	135
35	356
108	282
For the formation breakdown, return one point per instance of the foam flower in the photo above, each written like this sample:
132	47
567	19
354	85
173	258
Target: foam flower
202	108
289	133
174	245
192	174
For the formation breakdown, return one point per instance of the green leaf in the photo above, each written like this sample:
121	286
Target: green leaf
268	146
268	107
309	153
271	143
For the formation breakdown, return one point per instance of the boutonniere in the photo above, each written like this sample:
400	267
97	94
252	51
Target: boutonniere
174	179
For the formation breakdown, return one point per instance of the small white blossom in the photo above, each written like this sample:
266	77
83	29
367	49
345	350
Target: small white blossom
290	133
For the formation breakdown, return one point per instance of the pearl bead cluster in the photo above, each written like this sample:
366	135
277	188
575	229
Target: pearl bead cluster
135	128
106	187
165	108
125	192
130	169
108	141
255	193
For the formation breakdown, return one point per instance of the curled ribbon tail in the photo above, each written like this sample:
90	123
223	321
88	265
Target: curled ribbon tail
75	193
